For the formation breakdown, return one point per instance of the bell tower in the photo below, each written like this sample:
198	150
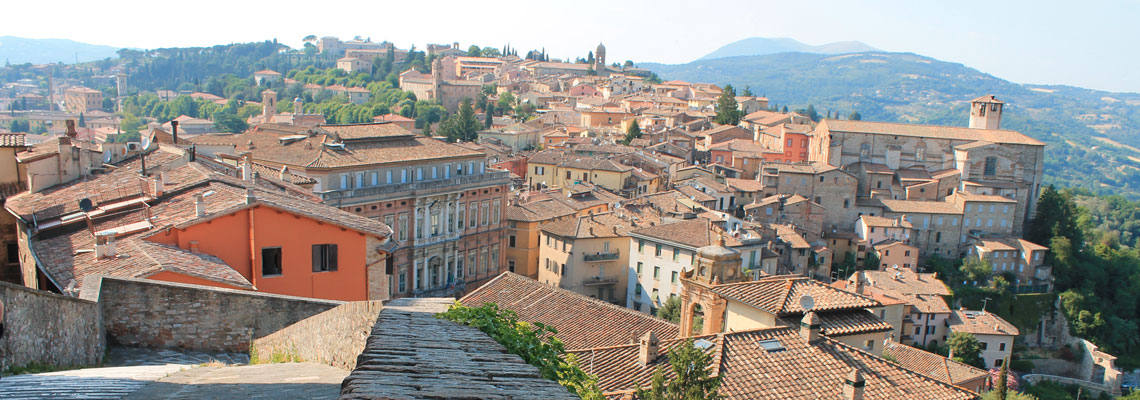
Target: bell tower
702	310
985	112
600	59
268	104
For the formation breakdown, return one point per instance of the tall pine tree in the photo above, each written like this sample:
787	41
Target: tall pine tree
727	112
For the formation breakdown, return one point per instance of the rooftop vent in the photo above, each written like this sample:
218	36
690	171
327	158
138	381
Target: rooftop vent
771	345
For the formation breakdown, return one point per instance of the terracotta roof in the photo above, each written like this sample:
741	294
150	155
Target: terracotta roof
781	295
904	280
537	211
744	185
581	321
12	140
871	220
691	232
920	206
851	322
695	194
1010	243
933	365
929	131
602	225
980	323
796	370
989	98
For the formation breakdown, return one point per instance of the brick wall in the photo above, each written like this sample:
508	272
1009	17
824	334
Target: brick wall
146	313
47	328
334	337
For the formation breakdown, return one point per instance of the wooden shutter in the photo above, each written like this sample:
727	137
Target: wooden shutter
317	258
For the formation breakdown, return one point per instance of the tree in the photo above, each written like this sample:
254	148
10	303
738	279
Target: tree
872	261
671	310
473	51
82	121
1056	216
855	116
628	64
726	107
506	101
692	382
976	270
966	349
811	113
489	118
747	91
309	38
463	126
230	123
1002	386
633	132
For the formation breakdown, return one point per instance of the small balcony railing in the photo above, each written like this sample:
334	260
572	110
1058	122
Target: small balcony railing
598	256
599	280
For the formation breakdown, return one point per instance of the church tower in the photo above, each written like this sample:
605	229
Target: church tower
436	79
702	310
600	59
985	112
268	105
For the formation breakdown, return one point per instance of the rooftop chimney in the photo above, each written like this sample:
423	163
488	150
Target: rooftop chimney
71	133
247	167
853	385
199	206
159	184
104	245
858	282
647	348
809	327
249	197
174	130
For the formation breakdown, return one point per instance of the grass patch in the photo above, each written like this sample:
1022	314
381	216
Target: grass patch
277	356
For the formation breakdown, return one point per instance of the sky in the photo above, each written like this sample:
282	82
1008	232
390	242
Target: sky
1092	43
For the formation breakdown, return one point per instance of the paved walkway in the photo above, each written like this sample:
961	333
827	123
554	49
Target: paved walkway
263	381
87	383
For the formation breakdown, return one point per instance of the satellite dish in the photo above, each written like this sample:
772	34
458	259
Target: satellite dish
86	205
145	142
807	302
107	156
123	151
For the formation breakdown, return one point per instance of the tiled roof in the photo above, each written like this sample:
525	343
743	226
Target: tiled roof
602	225
310	152
781	295
1010	244
12	140
920	207
871	220
853	322
980	323
904	280
800	370
933	365
695	194
582	322
744	185
691	232
929	131
535	211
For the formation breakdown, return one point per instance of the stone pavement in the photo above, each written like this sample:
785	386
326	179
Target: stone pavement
87	383
263	381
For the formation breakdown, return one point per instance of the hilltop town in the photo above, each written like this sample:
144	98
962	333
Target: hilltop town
802	255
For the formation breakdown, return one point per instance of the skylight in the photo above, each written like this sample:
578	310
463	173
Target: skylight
771	345
702	344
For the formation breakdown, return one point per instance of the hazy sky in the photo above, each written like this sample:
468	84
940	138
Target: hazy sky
1092	43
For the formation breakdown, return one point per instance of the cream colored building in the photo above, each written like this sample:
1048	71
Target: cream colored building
588	255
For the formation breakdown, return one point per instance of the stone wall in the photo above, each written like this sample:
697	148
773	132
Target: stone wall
46	328
334	337
147	313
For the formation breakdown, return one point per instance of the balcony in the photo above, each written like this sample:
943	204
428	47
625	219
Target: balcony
410	189
599	281
430	240
600	257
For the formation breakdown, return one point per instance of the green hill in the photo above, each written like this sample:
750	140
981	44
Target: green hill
1091	135
17	50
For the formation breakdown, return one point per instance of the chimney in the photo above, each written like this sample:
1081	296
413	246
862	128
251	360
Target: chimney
194	248
159	184
809	327
199	206
71	133
647	348
858	282
174	130
247	167
249	197
853	385
104	245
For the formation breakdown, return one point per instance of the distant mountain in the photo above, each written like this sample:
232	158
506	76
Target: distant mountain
759	46
1093	137
17	50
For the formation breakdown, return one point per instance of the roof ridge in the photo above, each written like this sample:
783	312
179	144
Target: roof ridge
884	361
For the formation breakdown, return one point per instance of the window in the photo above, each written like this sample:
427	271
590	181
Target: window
388	174
419	173
403	281
403	176
641	246
639	265
403	226
324	257
13	252
460	212
985	345
373	178
658	251
676	254
359	179
991	166
473	214
937	237
997	363
511	265
511	241
656	272
919	154
495	206
447	171
486	216
846	203
674	277
344	181
1001	346
918	330
270	261
656	296
821	179
471	262
930	330
494	266
870	345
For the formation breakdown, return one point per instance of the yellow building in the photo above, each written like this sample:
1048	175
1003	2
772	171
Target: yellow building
588	254
81	100
557	169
